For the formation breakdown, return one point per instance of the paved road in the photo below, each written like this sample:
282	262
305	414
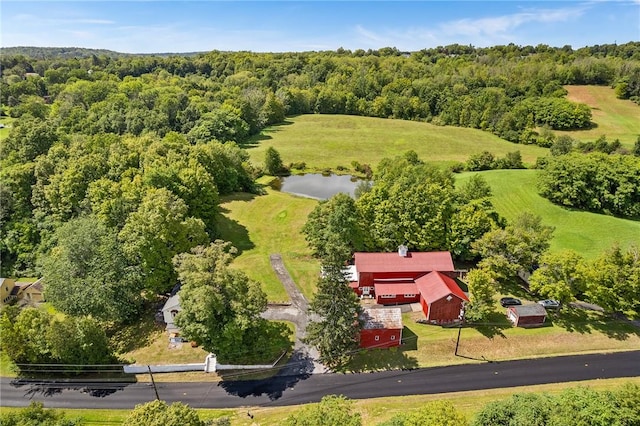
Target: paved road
290	390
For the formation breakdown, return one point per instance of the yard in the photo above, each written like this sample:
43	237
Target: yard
571	331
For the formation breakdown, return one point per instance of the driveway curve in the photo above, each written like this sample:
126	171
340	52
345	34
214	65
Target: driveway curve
305	358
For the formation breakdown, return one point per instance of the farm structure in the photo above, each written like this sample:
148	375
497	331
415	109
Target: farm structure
405	277
532	315
382	328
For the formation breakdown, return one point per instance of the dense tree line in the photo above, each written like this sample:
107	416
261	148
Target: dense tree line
596	182
507	90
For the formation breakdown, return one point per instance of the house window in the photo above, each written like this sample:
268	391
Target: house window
393	337
377	338
388	296
408	296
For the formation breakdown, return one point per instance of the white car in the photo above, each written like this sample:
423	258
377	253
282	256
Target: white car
549	304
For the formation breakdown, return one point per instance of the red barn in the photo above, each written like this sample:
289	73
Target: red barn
440	297
382	328
532	315
406	277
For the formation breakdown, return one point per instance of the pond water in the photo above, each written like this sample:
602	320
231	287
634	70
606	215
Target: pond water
318	186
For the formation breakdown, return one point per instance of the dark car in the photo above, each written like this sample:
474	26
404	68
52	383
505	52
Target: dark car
550	304
510	301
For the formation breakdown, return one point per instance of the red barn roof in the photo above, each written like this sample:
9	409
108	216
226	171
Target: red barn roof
434	286
413	262
395	288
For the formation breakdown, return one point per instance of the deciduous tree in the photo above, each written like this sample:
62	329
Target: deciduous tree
330	411
221	307
86	273
561	276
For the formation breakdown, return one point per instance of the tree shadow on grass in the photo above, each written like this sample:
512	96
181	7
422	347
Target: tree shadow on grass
492	326
265	134
383	359
585	321
232	230
299	367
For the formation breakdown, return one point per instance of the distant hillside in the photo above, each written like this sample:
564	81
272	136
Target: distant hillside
612	117
74	52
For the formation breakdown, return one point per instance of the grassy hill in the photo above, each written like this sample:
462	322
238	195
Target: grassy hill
329	141
514	191
615	118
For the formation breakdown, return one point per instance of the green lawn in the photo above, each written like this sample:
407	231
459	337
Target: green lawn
615	118
7	121
329	141
572	331
260	225
514	191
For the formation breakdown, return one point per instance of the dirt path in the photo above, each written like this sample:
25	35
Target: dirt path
304	359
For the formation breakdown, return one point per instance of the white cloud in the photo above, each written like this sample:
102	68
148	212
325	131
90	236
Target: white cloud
479	32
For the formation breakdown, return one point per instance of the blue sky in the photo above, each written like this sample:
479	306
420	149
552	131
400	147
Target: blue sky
262	26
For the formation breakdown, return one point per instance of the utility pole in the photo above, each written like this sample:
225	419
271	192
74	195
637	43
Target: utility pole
155	389
458	341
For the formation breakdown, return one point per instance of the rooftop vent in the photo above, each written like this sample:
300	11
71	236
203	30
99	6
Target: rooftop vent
402	251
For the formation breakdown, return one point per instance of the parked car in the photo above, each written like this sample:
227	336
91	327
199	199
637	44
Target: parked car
510	301
549	304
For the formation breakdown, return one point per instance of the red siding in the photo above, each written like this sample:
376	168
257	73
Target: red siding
442	311
368	338
530	321
398	299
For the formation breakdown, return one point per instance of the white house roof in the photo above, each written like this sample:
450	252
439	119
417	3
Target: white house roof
172	303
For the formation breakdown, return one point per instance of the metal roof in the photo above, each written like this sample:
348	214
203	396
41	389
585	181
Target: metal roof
532	310
377	318
413	262
435	286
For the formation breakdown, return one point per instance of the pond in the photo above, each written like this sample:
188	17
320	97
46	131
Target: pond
315	185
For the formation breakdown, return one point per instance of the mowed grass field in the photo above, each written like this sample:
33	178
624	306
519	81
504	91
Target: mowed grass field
615	118
329	141
514	191
261	225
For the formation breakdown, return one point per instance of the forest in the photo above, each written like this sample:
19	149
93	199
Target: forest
114	164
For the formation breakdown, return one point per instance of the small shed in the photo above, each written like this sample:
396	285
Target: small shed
382	328
532	315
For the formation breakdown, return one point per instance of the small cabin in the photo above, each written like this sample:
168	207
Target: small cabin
532	315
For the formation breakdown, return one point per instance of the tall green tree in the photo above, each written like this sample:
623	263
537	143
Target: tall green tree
482	288
561	276
157	231
332	229
273	163
221	306
613	280
87	273
516	247
335	331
